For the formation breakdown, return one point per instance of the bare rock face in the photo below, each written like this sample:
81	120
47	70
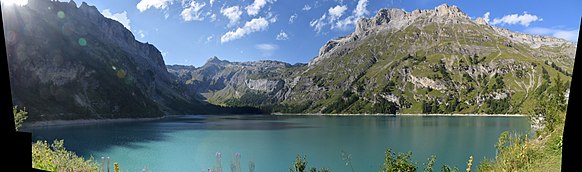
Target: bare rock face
264	85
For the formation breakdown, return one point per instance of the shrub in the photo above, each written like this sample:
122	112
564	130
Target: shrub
300	164
400	162
55	157
19	116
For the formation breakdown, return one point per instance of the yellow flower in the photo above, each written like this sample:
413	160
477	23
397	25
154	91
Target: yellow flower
470	163
115	167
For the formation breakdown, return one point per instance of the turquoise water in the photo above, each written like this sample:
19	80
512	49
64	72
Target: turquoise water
190	143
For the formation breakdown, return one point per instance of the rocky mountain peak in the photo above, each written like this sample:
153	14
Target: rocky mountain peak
481	21
445	9
213	60
393	19
216	61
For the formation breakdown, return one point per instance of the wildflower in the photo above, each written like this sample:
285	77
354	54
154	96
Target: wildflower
470	163
115	167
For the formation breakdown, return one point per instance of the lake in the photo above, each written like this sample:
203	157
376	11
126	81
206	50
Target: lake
190	143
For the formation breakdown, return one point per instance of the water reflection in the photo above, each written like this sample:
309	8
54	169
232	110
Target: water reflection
99	137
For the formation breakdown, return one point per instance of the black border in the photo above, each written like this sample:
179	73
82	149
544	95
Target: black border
569	139
19	143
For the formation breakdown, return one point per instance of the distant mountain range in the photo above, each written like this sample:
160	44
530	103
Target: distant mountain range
424	61
69	62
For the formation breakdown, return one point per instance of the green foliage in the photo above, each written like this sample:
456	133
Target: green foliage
251	98
513	154
400	162
545	74
551	105
341	103
385	106
517	152
500	106
447	168
558	68
430	164
293	108
433	107
430	107
19	116
55	157
498	83
300	164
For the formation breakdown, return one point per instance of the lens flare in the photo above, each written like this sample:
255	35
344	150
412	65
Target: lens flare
82	42
61	14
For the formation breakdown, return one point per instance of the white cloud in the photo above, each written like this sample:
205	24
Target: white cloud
334	14
306	7
232	13
360	11
159	4
267	49
292	18
337	11
141	33
272	18
282	36
570	35
120	17
212	17
486	16
511	19
318	24
209	39
211	2
192	11
343	24
255	25
361	8
256	6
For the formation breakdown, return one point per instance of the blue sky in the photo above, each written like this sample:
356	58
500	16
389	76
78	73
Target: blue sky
189	32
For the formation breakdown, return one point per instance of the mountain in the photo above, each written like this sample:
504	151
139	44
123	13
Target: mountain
69	62
424	61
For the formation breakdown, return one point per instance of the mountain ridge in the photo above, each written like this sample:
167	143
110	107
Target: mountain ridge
392	57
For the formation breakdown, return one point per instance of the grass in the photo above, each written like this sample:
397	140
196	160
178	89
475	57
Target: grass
520	153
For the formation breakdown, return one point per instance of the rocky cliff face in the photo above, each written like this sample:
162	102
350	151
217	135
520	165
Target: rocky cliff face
69	62
424	61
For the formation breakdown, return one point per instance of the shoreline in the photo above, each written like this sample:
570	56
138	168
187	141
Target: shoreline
41	124
456	115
